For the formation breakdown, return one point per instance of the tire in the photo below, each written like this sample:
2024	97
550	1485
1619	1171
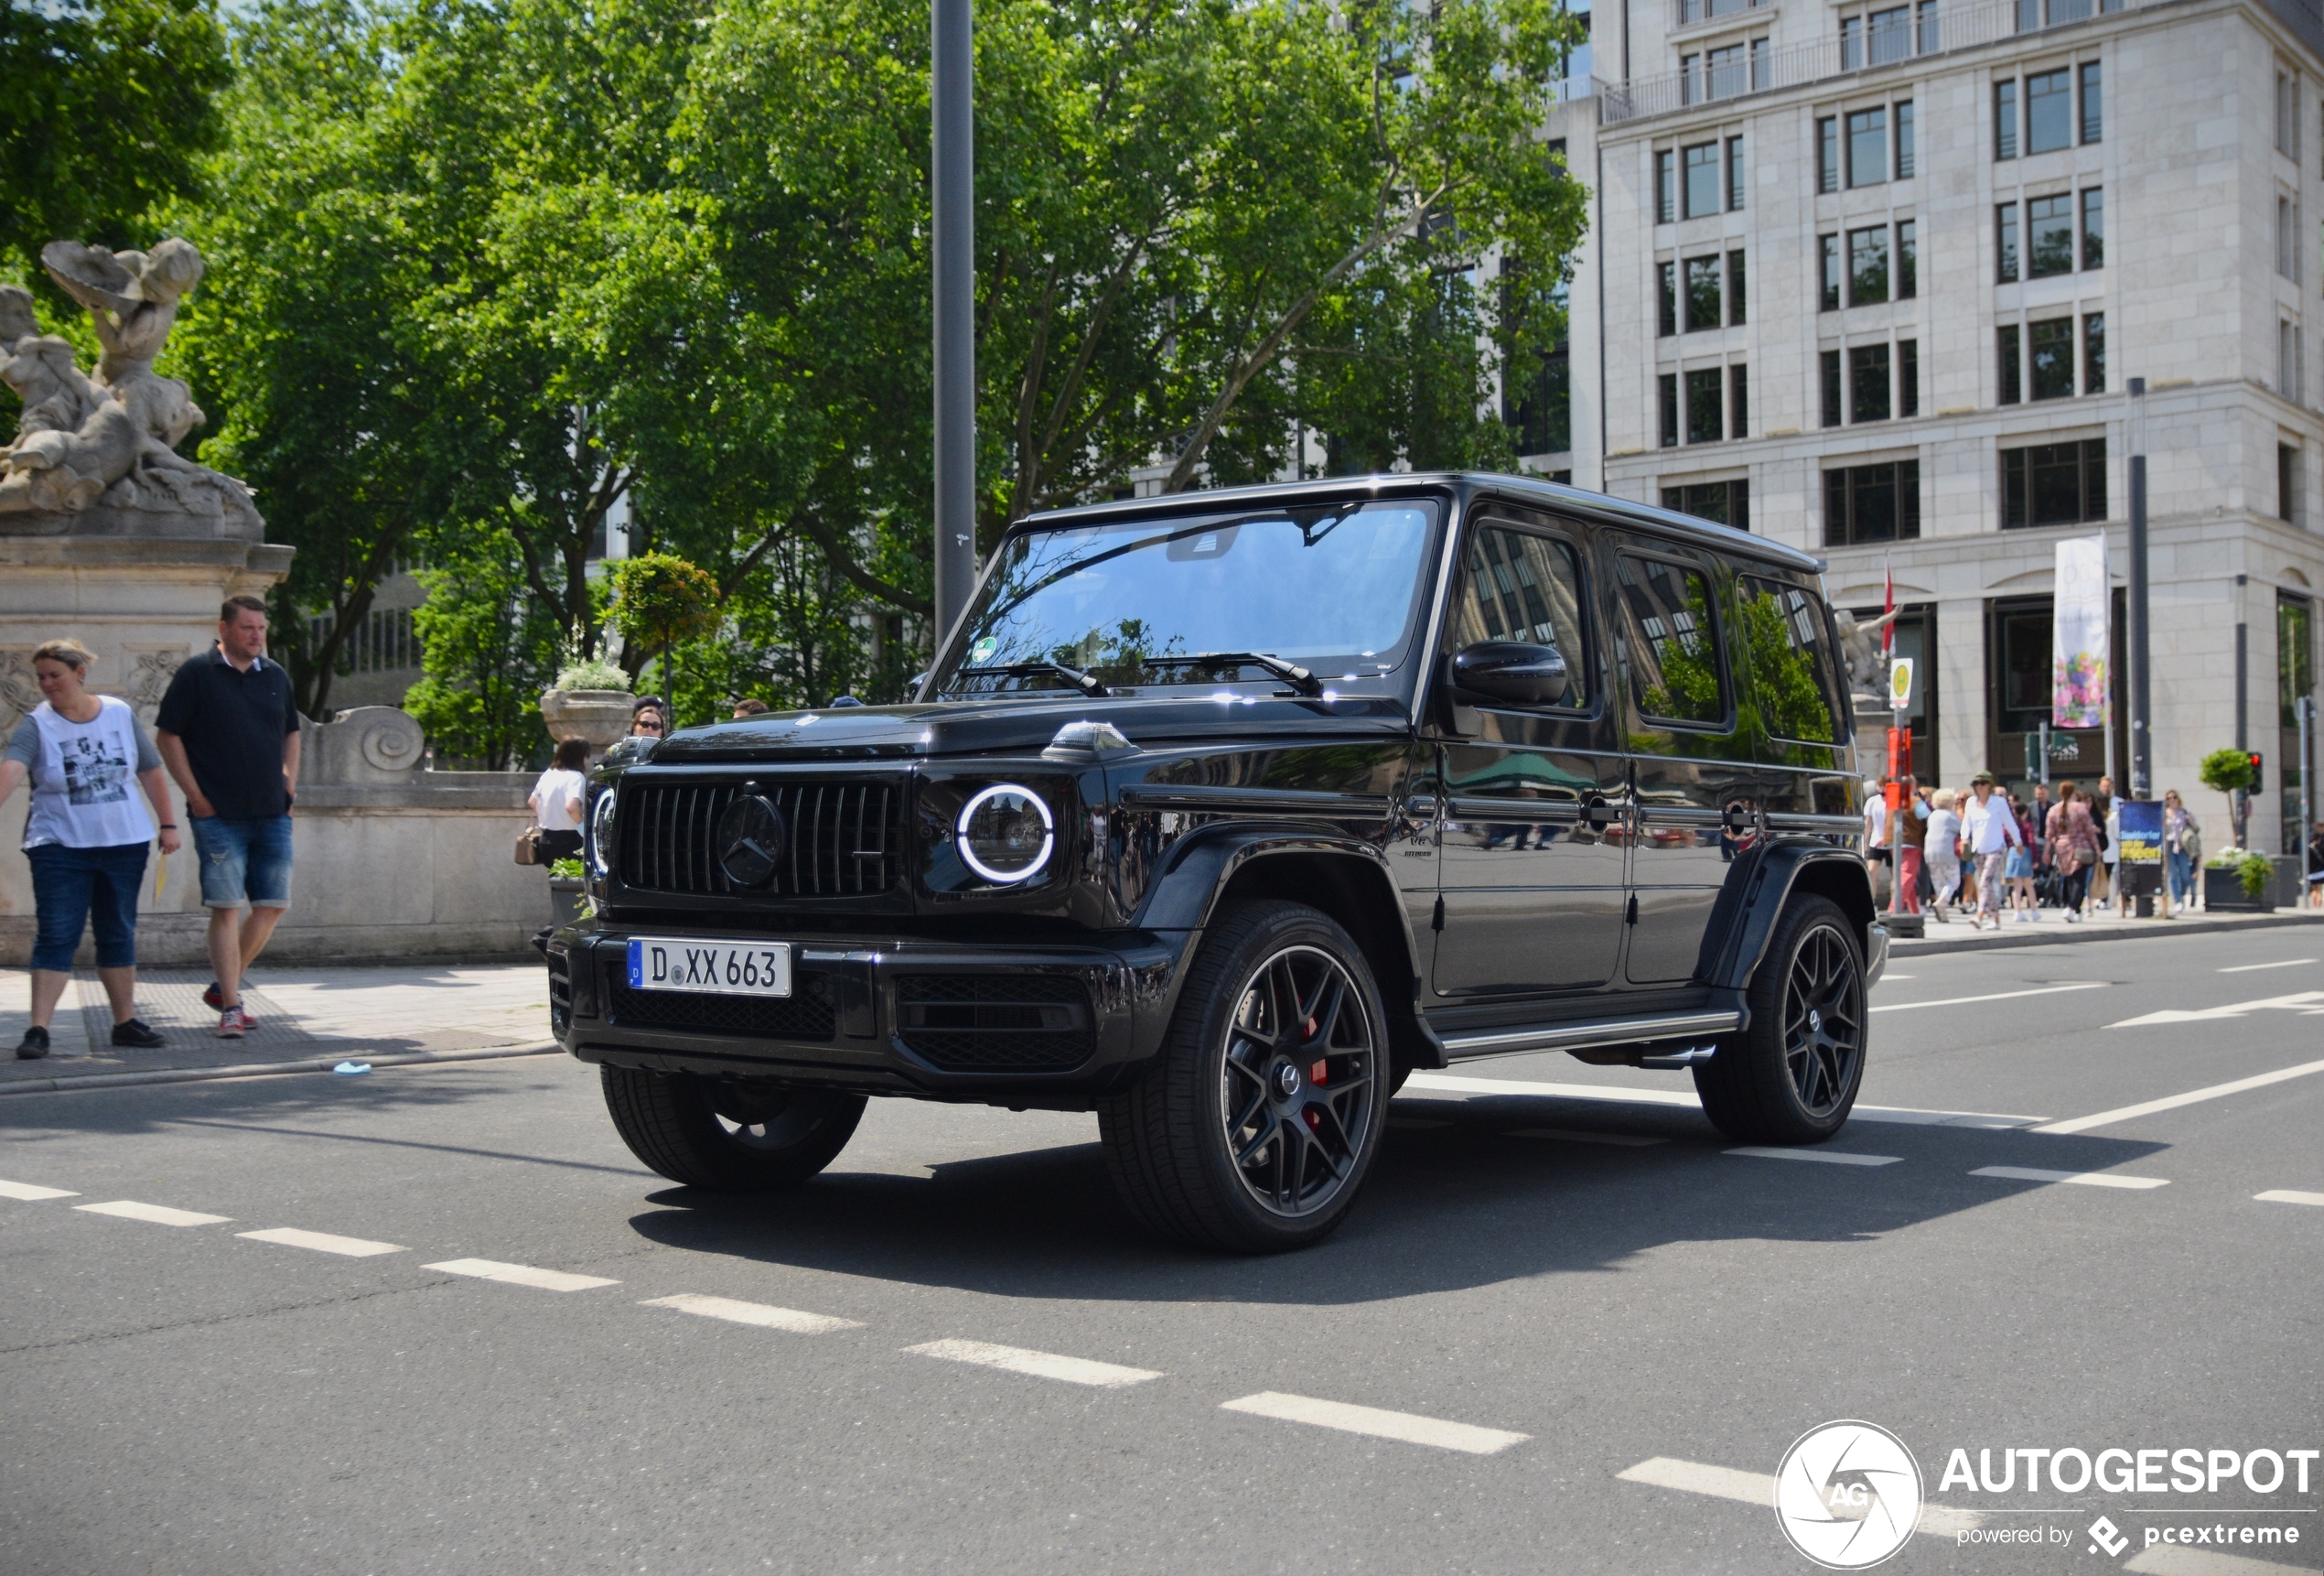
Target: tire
1202	1148
1791	1077
728	1137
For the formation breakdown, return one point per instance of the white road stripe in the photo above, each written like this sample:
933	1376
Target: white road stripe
1568	1136
2162	1559
766	1316
1996	996
2289	1195
521	1275
1759	1489
2085	1178
2172	1102
1406	1427
2256	967
27	1192
1457	1083
1829	1156
323	1242
158	1215
1041	1364
2310	1001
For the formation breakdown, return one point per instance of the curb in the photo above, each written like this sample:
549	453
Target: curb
267	1069
2064	934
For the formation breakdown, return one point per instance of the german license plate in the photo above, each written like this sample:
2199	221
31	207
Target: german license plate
721	967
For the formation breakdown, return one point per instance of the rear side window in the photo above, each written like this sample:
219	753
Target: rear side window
1670	642
1521	586
1787	643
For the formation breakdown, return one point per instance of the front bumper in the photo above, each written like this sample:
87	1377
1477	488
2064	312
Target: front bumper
1016	1024
1875	961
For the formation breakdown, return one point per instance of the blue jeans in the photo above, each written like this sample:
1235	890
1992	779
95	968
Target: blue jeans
71	888
2182	875
245	858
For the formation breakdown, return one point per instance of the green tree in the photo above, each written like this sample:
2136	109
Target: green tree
491	650
2227	771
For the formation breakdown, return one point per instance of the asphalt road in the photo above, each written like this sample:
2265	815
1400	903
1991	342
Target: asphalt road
186	1398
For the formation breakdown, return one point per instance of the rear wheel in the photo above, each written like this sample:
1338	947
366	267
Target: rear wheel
727	1136
1793	1077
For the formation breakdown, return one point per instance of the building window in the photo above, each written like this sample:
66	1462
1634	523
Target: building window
1666	310
2049	358
1868	382
1541	411
1738	401
2287	115
1702	293
1931	38
2288	482
2295	678
1704	412
1868	147
1831	249
2094	99
1665	186
1735	290
1872	504
1828	365
1735	174
2050	112
1722	503
2049	235
2012	384
1666	388
1867	266
1851	43
2288	361
2093	228
2053	484
1908	259
2287	238
2005	120
1904	140
2093	353
1908	377
1827	153
2005	259
1701	187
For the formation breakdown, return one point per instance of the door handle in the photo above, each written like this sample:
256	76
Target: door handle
1601	813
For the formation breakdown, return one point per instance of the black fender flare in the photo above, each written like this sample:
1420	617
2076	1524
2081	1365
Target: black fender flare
1768	885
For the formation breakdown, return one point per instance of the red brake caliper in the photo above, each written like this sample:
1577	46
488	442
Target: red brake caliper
1319	1075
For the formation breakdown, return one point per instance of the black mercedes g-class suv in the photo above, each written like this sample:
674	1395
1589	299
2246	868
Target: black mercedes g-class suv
1220	814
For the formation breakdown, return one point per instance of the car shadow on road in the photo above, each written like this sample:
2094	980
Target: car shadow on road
1460	1197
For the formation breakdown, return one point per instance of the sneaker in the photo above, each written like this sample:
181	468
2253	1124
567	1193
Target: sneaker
214	998
34	1045
139	1033
232	1024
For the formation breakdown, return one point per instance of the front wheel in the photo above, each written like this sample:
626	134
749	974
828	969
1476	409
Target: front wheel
727	1136
1791	1077
1254	1127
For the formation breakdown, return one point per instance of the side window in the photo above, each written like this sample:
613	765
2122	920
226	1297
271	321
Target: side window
1521	586
1670	642
1787	643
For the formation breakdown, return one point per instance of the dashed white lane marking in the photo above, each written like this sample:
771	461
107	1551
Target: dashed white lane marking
2256	967
2289	1195
766	1316
1759	1489
2083	1179
1995	995
2172	1102
322	1242
30	1193
2306	1001
1041	1364
521	1275
1568	1136
2162	1560
1406	1427
1829	1156
1457	1083
157	1215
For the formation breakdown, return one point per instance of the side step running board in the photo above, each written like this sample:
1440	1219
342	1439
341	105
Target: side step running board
1589	1036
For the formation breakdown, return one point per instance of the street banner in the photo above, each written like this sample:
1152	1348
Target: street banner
2078	635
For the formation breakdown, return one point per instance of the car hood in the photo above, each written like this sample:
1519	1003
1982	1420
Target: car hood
1026	726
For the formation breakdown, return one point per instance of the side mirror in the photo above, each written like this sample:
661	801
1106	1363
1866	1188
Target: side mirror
1511	672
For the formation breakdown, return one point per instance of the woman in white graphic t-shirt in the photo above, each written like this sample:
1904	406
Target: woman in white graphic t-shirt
86	837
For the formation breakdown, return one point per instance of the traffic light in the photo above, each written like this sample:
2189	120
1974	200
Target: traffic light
2256	778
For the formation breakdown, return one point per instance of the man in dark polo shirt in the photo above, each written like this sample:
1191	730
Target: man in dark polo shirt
228	729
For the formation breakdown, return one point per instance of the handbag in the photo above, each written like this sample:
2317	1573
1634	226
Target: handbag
528	847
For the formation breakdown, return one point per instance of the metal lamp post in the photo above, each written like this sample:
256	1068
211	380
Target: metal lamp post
953	189
2142	738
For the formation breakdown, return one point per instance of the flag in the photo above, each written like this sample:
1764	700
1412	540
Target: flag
2078	635
1887	607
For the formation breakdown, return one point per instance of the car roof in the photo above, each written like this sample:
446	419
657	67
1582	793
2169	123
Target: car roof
1472	485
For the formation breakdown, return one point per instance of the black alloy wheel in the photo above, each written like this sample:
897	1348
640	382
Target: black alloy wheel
1792	1075
1293	1086
727	1136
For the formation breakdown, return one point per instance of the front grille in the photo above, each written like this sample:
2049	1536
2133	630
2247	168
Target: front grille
995	1022
560	996
806	1014
842	838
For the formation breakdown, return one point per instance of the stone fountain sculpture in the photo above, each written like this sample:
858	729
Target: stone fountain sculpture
96	453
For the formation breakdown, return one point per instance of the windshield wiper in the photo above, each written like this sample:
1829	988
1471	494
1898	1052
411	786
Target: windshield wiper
1089	683
1298	678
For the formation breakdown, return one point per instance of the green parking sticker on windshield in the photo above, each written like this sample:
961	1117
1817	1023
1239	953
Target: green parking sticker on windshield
984	649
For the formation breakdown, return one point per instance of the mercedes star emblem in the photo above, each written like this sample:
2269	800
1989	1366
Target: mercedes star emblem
750	839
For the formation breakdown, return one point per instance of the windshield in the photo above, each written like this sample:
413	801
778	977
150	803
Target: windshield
1335	588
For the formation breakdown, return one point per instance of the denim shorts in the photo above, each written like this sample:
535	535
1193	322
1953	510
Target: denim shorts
73	888
245	858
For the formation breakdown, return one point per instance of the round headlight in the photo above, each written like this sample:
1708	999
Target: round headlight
1006	834
601	834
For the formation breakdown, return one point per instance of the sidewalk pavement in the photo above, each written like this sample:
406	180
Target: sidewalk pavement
307	1017
2051	928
